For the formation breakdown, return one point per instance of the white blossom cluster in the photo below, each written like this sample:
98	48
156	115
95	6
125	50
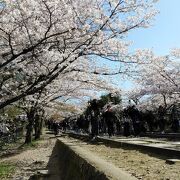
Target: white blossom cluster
159	80
47	43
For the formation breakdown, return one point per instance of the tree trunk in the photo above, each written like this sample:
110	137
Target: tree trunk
29	128
28	134
36	126
41	125
39	128
164	99
38	133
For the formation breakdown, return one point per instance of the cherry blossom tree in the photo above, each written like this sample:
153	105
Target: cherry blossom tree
43	40
159	79
66	87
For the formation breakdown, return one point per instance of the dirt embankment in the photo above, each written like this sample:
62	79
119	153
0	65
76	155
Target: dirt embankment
143	166
28	162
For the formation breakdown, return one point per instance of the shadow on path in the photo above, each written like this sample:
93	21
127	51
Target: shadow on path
52	171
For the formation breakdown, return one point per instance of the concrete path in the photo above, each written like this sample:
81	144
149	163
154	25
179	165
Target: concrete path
162	143
171	149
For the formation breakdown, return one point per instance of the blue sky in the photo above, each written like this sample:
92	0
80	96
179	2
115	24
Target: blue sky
162	36
164	33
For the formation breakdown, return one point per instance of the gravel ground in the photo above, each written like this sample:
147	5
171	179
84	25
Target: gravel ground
140	165
30	161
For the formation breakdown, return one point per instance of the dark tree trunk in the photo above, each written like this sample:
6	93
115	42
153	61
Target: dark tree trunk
38	132
28	134
36	126
41	125
29	128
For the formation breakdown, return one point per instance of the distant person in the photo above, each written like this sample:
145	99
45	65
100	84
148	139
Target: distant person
175	117
109	119
161	118
135	116
149	118
79	123
126	124
56	128
64	125
118	126
94	118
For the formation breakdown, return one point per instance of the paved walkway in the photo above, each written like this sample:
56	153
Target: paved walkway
158	146
162	143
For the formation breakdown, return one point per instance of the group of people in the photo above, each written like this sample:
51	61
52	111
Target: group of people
131	122
56	126
106	122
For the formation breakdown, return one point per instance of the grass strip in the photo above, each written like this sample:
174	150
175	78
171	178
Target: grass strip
6	170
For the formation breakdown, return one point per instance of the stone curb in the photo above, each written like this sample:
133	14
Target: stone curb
170	153
175	136
79	164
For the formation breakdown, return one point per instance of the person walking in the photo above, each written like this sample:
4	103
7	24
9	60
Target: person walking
94	118
161	119
175	116
109	119
135	116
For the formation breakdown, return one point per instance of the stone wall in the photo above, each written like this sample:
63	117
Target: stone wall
74	163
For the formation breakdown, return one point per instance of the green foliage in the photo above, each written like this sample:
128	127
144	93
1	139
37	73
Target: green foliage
6	170
2	3
13	111
33	144
105	99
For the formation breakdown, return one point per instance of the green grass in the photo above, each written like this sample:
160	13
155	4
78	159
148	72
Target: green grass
33	144
6	170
